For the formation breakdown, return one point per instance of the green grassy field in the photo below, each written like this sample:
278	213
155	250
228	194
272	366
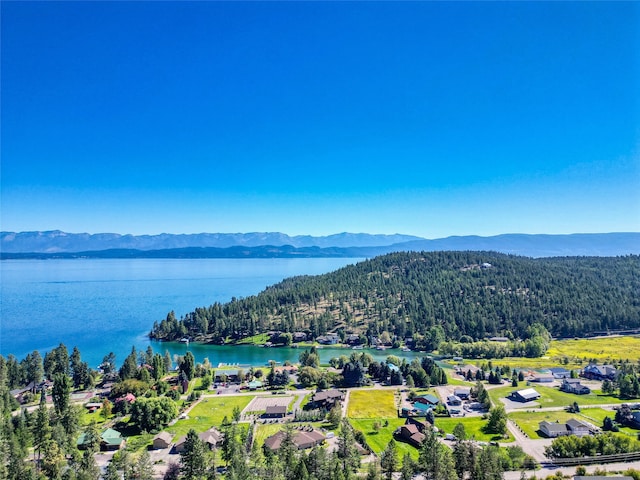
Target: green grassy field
614	348
528	421
265	431
378	440
473	427
209	412
372	404
575	353
552	397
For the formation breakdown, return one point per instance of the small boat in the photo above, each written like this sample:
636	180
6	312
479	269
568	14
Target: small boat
184	340
357	347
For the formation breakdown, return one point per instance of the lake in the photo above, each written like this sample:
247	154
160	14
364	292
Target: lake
103	305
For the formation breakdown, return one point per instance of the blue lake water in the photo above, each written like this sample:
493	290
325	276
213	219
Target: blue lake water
110	305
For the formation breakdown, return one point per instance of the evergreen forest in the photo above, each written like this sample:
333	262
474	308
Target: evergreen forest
433	297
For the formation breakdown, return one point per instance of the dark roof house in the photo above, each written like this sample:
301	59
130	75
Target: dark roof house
302	439
411	434
275	411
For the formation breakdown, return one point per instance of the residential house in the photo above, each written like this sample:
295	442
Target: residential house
599	372
422	426
573	385
253	385
299	337
427	399
110	439
524	396
275	411
328	339
226	375
421	409
454	400
560	373
410	434
462	392
553	429
212	438
162	440
571	427
302	439
578	428
542	377
326	398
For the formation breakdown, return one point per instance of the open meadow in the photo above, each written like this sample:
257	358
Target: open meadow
472	426
209	412
551	397
378	439
371	403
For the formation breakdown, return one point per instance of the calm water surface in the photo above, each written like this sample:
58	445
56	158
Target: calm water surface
110	305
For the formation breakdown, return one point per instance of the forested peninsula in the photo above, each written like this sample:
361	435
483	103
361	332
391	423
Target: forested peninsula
433	298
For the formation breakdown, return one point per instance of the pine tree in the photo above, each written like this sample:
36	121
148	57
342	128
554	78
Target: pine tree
41	428
61	393
389	459
193	458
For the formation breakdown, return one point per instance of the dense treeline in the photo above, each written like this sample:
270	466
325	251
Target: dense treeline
435	296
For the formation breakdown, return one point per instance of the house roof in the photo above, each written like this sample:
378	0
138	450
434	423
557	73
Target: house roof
556	370
326	395
553	427
211	436
528	393
421	406
428	399
301	439
409	428
574	423
462	391
276	409
165	436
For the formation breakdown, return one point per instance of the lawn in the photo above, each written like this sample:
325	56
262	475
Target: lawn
379	440
473	427
372	404
528	421
575	353
265	431
552	397
210	412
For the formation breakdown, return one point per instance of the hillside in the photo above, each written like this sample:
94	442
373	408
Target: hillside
434	296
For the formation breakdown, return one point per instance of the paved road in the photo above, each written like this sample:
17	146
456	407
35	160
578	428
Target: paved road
550	470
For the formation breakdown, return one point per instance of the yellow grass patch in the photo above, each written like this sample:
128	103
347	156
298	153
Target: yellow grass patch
372	403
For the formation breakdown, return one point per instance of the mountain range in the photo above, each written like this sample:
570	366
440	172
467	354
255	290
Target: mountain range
58	244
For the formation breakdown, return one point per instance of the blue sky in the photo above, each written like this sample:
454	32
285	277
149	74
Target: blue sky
426	118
